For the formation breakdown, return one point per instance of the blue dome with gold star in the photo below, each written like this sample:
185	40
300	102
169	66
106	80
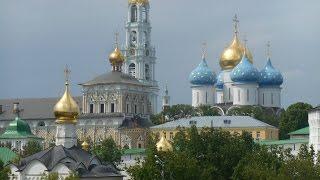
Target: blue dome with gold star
202	75
244	72
269	76
219	84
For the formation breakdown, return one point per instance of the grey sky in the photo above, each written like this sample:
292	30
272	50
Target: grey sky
38	37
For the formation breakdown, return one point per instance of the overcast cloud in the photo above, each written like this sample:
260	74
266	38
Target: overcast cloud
38	37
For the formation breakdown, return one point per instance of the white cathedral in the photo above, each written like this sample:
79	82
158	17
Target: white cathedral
239	83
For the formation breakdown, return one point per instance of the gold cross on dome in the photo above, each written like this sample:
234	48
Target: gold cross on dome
268	49
116	38
204	49
67	72
236	22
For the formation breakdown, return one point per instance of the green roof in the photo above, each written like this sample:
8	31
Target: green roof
283	142
303	131
18	129
6	155
134	151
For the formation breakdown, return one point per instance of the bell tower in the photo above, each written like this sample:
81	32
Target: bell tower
140	54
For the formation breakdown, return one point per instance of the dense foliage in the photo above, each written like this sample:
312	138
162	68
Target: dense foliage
295	117
107	151
31	147
217	154
4	171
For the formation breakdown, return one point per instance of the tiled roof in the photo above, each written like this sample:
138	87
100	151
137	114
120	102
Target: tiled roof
32	108
214	121
282	142
303	131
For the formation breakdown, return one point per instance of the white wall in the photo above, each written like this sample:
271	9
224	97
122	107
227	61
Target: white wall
203	95
245	94
314	129
219	96
270	96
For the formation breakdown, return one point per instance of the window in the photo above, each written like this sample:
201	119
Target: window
134	13
133	38
144	14
147	72
171	135
101	108
248	95
238	95
0	108
91	108
229	93
127	108
197	97
271	98
258	135
263	98
139	145
145	39
135	109
206	97
142	109
132	69
112	107
165	135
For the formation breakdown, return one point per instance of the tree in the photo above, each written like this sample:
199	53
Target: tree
72	176
31	147
179	111
295	117
108	151
50	176
4	171
206	110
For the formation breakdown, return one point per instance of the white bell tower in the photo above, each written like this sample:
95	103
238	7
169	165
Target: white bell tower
140	54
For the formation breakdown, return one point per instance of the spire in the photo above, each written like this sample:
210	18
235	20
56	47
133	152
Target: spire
204	50
236	24
166	90
268	50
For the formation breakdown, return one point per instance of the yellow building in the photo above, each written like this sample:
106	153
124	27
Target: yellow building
233	124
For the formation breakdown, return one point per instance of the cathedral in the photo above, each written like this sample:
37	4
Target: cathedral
239	82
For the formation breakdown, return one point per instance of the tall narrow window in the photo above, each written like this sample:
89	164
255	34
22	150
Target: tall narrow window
135	109
142	111
229	93
197	97
206	97
144	14
127	110
258	135
238	95
147	72
91	108
132	69
248	98
134	13
101	108
263	98
112	107
272	98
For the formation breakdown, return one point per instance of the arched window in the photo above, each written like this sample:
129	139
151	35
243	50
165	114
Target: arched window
133	38
145	39
41	124
134	13
144	14
147	72
132	69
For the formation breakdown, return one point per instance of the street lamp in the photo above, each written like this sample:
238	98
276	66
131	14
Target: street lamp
161	163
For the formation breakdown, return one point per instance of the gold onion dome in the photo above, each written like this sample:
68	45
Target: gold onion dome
232	55
116	57
85	146
139	2
66	110
163	145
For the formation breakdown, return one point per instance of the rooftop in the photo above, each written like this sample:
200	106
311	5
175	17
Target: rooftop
303	131
215	121
282	142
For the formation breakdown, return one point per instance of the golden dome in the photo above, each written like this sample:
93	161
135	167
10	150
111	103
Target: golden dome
66	110
85	146
164	145
232	55
138	1
116	57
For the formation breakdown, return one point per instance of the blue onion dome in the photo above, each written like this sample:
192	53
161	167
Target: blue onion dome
244	72
202	75
269	76
219	84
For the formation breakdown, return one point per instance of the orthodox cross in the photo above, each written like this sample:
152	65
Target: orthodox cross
204	50
236	22
67	72
116	38
268	49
